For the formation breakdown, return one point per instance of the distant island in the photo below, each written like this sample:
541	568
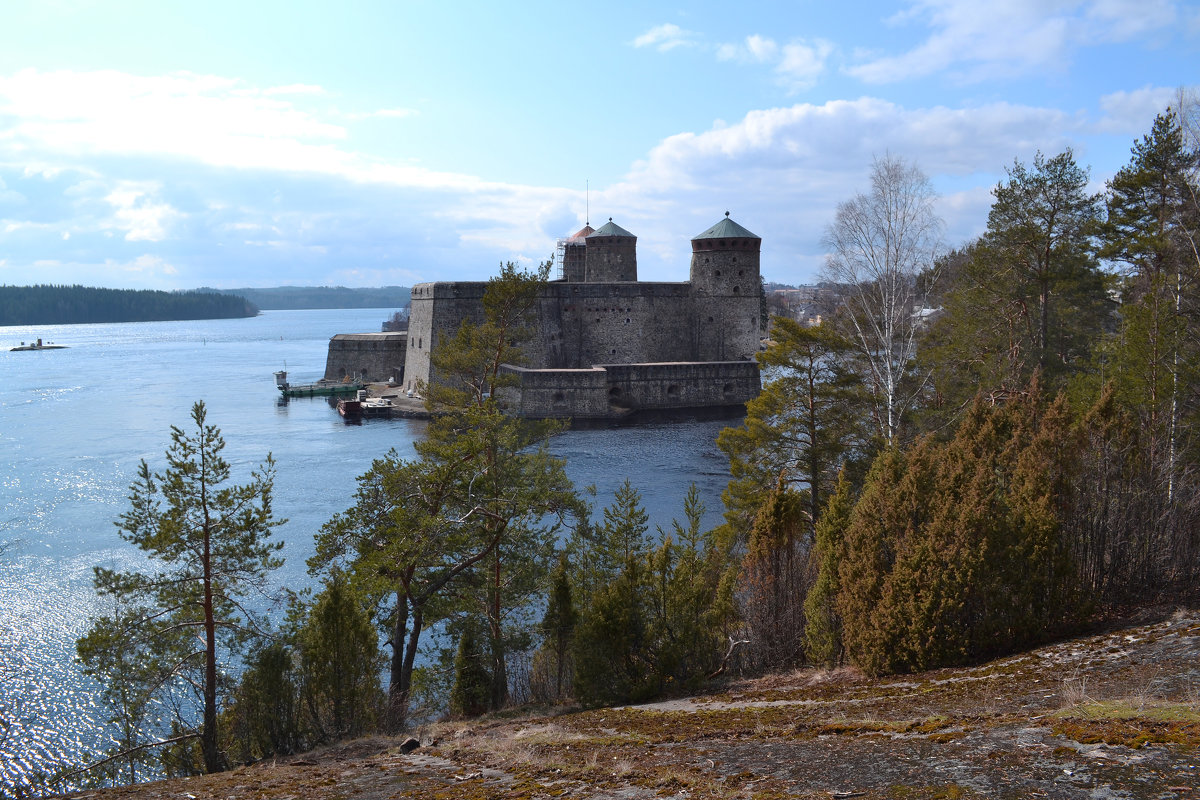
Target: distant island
67	305
290	298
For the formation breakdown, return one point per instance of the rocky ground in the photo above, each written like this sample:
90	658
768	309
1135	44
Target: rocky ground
1115	715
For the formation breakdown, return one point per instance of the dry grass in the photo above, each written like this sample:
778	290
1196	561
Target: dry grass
1011	728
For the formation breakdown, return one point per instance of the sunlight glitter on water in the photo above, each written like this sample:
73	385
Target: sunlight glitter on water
75	423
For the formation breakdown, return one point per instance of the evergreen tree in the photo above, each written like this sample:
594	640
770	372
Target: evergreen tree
472	690
1150	228
822	622
264	718
558	629
212	544
690	607
774	580
471	522
1027	297
339	663
611	639
1040	251
807	421
956	551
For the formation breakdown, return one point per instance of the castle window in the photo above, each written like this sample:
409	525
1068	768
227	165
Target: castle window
718	273
559	399
741	273
727	389
627	320
597	319
673	392
612	352
735	290
710	319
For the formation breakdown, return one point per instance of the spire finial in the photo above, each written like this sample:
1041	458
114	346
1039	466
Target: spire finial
727	213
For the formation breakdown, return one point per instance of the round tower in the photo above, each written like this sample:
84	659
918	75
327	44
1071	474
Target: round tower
725	261
725	288
575	255
611	255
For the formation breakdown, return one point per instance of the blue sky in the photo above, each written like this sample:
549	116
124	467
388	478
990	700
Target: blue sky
175	145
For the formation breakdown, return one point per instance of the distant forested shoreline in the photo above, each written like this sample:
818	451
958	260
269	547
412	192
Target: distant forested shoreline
67	305
291	298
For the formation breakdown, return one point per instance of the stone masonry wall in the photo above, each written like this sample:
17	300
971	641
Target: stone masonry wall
366	357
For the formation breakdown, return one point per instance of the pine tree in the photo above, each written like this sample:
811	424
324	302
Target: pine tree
1151	228
212	544
471	523
807	421
1039	248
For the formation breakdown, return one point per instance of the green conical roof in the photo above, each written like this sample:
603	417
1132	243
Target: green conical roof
610	228
726	229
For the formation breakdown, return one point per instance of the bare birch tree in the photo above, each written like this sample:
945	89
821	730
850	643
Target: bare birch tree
883	246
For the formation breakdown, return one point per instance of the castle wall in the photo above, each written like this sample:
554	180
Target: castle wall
668	345
438	310
612	390
559	393
682	385
366	357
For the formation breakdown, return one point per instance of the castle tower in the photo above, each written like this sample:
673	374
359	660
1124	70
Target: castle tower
725	290
611	255
575	255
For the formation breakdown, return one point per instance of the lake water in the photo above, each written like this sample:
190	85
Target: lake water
75	423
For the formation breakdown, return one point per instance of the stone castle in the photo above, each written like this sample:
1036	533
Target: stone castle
605	344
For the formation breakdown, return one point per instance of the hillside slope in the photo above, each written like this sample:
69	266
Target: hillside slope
1113	715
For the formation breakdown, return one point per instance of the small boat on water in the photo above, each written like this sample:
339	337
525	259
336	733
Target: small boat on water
363	407
38	345
321	387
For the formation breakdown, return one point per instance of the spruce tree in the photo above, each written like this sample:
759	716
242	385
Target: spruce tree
339	663
471	693
612	637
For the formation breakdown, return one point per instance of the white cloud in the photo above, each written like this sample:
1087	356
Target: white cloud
138	214
385	113
144	264
1010	37
1129	113
797	64
783	170
665	37
753	49
803	63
